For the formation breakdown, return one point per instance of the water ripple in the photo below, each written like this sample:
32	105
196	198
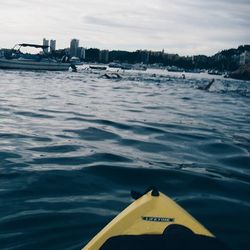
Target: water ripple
72	146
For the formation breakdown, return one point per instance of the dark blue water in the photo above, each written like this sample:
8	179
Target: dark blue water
73	145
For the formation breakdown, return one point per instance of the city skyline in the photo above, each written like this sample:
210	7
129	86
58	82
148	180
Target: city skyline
176	26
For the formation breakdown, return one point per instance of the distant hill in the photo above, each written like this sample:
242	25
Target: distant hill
228	60
232	52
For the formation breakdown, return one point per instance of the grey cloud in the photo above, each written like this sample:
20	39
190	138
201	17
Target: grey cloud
108	22
193	26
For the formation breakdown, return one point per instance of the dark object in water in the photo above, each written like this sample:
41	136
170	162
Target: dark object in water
112	76
74	68
207	87
98	67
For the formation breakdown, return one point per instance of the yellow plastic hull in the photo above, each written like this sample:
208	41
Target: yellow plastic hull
147	215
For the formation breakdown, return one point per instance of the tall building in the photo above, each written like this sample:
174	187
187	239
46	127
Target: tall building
104	56
52	45
74	44
46	43
81	53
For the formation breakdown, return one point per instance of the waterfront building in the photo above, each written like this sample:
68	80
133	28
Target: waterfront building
156	53
52	45
81	53
104	56
245	58
46	43
74	44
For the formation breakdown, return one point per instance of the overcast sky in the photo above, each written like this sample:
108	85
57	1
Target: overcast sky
186	27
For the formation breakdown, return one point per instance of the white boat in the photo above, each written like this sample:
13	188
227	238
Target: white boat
115	65
174	69
76	61
33	65
15	59
139	66
126	66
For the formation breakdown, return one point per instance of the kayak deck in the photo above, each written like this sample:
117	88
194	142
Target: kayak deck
151	214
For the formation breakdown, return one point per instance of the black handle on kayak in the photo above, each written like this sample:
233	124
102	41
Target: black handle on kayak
136	195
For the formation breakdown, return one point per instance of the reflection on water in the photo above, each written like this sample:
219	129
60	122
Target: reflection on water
72	146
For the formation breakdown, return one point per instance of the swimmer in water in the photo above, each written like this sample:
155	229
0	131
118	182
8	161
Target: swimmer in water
207	87
111	76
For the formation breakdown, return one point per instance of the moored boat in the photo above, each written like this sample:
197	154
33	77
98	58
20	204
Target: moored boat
174	69
214	72
76	61
15	59
139	66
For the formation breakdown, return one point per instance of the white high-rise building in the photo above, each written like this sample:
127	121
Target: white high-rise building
74	44
81	53
104	56
46	43
52	45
